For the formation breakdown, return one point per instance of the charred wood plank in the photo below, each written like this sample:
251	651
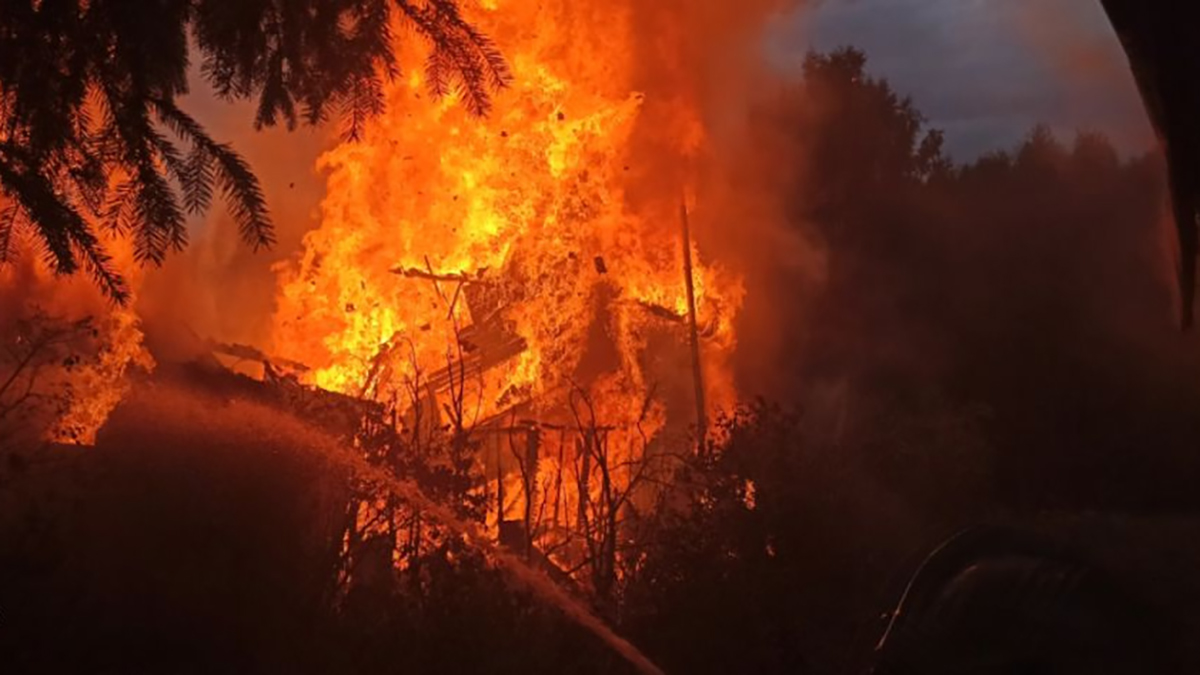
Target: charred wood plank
240	351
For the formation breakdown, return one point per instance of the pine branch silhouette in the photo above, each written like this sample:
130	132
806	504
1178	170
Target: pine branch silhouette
9	222
85	105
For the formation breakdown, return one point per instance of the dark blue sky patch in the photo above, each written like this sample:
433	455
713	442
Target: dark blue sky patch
985	71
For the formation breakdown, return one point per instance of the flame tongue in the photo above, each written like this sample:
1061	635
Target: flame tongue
506	250
99	384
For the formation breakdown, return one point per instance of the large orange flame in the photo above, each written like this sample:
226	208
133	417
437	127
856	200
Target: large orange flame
507	252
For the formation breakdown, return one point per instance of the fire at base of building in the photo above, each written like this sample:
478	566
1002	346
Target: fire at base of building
562	470
525	279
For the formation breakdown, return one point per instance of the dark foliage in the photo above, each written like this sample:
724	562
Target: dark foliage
33	347
992	340
1027	285
721	559
91	135
193	547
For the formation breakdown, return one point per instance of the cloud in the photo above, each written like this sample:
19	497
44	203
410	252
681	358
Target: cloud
987	70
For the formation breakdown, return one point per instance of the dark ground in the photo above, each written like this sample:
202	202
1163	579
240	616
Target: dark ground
179	544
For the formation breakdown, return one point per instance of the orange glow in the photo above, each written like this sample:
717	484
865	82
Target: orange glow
97	379
507	250
101	382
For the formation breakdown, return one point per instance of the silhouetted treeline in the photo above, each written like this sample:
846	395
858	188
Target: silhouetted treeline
1033	286
986	340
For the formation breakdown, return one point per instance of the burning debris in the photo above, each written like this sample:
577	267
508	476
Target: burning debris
522	266
521	282
493	309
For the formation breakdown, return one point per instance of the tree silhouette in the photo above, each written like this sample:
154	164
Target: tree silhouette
91	134
864	137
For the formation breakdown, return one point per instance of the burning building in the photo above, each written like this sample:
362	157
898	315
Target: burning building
514	238
527	278
529	271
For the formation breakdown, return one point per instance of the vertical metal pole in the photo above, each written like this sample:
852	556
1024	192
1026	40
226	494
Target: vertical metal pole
694	334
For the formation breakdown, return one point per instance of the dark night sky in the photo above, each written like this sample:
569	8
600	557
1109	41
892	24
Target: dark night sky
985	71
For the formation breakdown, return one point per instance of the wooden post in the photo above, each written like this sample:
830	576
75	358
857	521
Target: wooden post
693	332
533	444
499	495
